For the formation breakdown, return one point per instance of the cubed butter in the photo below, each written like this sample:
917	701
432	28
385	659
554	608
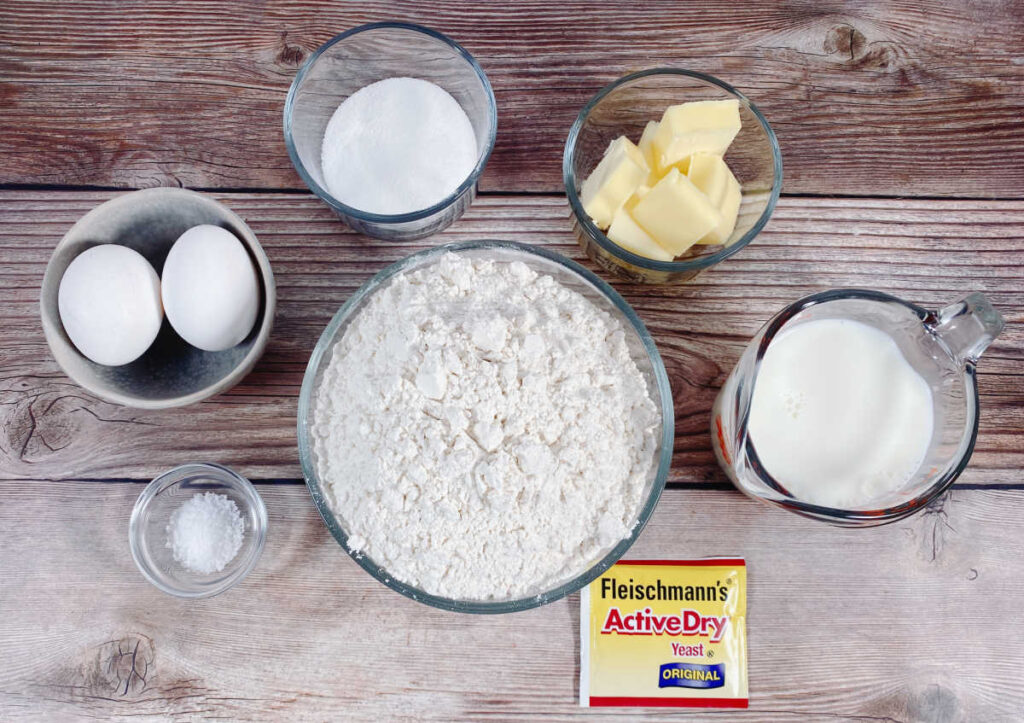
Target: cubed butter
675	213
613	181
683	165
704	126
708	173
646	145
711	175
628	234
642	190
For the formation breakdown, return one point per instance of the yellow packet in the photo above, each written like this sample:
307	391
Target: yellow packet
665	633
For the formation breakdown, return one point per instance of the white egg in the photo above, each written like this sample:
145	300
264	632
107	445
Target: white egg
109	304
210	290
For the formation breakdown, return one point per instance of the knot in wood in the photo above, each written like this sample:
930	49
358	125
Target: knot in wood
845	41
935	703
123	666
290	54
37	423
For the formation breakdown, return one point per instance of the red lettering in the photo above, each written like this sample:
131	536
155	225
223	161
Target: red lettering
691	622
718	628
644	622
613	623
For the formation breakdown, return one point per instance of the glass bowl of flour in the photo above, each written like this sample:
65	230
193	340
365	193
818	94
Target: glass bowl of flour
391	125
485	426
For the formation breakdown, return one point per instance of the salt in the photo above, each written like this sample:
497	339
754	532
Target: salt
396	146
205	533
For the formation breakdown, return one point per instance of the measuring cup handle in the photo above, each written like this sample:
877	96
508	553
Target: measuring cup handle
967	327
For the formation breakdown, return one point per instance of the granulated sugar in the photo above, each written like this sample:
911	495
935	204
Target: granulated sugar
396	146
483	430
205	533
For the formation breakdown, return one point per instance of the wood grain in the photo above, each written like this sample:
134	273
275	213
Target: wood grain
912	622
872	98
917	621
930	252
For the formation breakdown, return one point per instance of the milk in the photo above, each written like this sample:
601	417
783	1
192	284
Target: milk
838	416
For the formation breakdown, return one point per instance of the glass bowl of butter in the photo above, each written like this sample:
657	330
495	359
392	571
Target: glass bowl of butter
668	172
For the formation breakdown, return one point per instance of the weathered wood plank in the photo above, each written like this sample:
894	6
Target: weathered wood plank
893	98
931	252
912	622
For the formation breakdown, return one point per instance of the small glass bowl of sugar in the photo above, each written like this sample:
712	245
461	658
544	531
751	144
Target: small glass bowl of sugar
391	125
197	530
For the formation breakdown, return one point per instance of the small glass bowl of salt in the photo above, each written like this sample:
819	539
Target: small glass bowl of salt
197	530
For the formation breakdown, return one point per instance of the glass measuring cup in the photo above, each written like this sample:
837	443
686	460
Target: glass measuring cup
942	346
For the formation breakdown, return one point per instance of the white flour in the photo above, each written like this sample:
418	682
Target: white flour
396	146
483	430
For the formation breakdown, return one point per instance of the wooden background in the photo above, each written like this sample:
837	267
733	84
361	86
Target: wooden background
903	142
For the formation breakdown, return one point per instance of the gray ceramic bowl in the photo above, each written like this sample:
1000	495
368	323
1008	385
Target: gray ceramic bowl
171	373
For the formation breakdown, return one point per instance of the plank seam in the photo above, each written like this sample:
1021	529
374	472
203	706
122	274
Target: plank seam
298	481
60	188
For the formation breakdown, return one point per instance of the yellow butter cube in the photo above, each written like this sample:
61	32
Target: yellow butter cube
628	234
676	213
646	144
683	165
705	126
730	210
613	181
642	190
711	175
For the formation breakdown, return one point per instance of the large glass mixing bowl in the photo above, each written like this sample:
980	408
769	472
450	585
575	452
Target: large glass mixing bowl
571	275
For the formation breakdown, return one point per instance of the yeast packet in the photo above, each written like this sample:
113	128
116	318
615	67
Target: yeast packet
665	633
